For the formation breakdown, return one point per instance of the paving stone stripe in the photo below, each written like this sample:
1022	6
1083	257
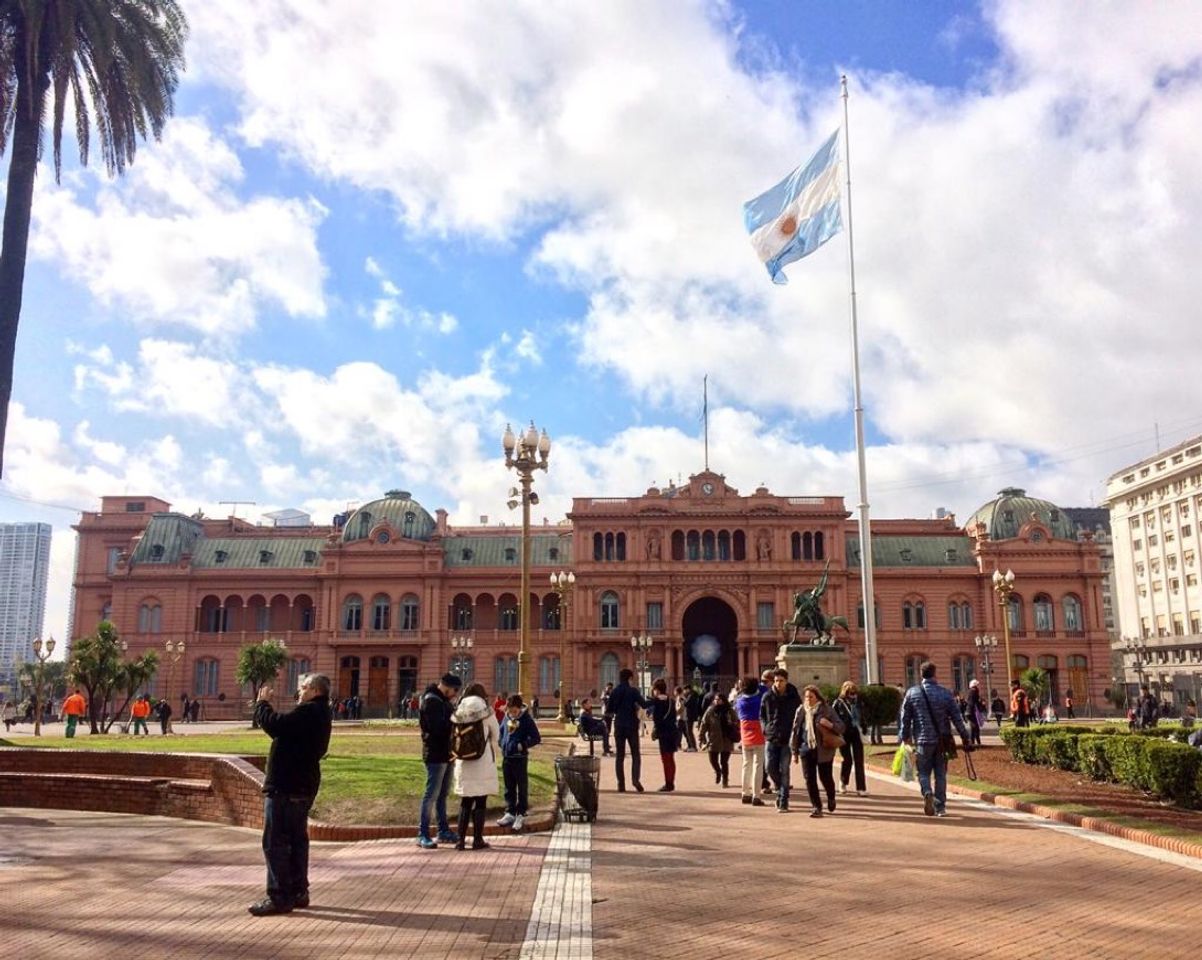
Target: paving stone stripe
561	924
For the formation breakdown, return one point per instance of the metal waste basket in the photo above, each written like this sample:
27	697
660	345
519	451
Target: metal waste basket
578	783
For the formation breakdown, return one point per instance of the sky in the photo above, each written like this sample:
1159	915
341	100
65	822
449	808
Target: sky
375	233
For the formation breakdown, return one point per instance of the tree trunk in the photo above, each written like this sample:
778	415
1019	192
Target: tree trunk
18	208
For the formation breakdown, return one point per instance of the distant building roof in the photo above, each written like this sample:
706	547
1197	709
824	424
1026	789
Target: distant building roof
1011	509
948	551
497	551
404	514
1089	518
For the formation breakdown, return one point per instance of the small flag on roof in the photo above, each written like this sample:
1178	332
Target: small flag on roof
799	214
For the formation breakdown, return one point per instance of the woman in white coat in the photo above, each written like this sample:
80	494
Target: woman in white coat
476	779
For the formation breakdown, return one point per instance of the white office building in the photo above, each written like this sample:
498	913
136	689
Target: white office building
24	570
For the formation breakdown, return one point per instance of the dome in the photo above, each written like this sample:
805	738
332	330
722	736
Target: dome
398	508
1006	514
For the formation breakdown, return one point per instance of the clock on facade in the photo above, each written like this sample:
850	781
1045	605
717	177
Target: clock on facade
707	488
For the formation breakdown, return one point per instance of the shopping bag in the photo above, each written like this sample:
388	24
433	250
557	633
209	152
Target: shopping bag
903	763
898	759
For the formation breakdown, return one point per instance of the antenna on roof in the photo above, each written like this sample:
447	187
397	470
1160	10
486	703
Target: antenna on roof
236	504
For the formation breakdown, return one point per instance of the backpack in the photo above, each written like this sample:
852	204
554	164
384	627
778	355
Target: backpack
468	740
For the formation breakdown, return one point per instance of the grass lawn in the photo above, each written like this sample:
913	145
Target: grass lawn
375	778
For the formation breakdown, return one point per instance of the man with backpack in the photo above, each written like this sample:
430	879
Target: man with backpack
434	717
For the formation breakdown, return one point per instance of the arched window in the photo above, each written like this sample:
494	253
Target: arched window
1051	666
621	546
352	612
552	614
723	545
609	611
598	547
1072	613
364	524
409	612
1015	612
677	544
297	668
548	675
407	526
461	612
876	615
507	612
1021	662
953	616
914	668
920	615
205	677
609	546
708	551
740	546
807	546
609	670
1044	620
505	674
966	615
693	542
963	671
795	545
907	616
819	546
381	612
150	617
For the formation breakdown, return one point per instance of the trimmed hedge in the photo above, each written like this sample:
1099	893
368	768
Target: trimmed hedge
1149	760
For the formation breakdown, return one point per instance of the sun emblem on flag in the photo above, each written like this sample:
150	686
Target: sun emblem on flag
788	226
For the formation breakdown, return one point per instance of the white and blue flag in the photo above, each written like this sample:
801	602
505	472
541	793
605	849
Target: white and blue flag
799	214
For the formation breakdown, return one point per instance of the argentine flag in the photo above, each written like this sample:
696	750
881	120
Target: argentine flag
799	214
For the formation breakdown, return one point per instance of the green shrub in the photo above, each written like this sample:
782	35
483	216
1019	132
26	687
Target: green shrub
1091	756
1128	759
1021	741
879	705
1173	770
1059	750
1166	731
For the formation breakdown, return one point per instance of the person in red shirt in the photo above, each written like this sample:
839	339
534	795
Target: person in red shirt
498	706
138	714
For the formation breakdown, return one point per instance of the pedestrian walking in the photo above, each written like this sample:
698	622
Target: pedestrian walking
299	739
434	718
1147	709
623	713
719	733
928	715
751	736
74	708
1020	705
683	727
519	734
778	708
8	712
162	710
975	712
997	707
815	740
476	766
693	710
1068	706
847	709
665	730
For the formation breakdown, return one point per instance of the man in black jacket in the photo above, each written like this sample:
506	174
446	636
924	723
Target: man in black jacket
623	706
777	710
434	717
298	742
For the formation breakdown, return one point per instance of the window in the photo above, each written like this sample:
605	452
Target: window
106	611
352	613
1134	522
621	546
693	545
1187	530
114	553
264	557
509	614
407	526
297	668
598	547
1153	540
463	618
953	617
548	674
876	615
1137	545
135	506
963	671
1044	619
609	611
310	557
466	553
409	612
920	615
1178	625
1195	623
966	615
1015	613
655	615
205	677
150	617
609	670
1174	584
505	674
553	553
156	552
1072	613
1191	579
381	613
765	615
907	616
511	555
914	668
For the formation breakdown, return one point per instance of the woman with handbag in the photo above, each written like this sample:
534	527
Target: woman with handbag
976	711
664	730
847	709
719	731
815	741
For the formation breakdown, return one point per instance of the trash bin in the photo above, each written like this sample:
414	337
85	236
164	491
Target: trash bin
578	784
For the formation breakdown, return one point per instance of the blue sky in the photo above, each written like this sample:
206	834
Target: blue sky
355	256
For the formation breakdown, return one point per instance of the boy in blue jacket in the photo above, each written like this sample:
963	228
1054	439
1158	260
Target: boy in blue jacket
519	733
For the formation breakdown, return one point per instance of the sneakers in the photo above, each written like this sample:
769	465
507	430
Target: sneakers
747	798
448	836
518	822
940	812
843	788
861	793
508	821
426	843
816	813
757	802
780	809
928	804
268	907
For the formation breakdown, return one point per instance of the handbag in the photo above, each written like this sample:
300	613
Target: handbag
947	743
830	739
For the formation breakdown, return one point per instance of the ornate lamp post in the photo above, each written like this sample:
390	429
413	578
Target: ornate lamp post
175	650
460	654
37	694
1003	586
1139	653
642	649
524	454
986	643
562	583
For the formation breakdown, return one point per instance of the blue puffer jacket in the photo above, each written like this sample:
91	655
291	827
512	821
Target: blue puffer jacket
517	742
924	723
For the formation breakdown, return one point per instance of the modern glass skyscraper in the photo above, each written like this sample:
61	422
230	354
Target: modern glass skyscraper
24	569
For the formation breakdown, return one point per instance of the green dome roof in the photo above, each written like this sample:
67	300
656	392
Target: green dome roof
1005	515
404	514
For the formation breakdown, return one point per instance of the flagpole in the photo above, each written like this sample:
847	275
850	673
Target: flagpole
705	415
870	660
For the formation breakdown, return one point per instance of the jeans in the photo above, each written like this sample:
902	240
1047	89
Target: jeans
627	737
438	782
753	769
517	785
852	753
930	757
286	847
778	768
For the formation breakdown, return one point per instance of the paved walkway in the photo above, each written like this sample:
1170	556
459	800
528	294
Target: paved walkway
691	873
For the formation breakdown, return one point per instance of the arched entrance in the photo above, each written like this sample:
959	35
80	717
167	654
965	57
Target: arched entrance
711	647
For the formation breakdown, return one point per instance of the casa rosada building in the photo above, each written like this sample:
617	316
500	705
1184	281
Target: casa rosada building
375	599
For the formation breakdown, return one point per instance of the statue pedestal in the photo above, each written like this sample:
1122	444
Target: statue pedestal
812	664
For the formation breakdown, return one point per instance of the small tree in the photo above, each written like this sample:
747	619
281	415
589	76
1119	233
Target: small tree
132	677
258	663
1036	681
96	665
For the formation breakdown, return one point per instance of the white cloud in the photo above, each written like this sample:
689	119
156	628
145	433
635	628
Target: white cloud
389	308
172	243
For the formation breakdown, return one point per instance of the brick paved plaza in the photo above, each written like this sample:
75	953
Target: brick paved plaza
693	872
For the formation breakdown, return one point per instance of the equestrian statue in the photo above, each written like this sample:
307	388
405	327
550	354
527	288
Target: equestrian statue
808	615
